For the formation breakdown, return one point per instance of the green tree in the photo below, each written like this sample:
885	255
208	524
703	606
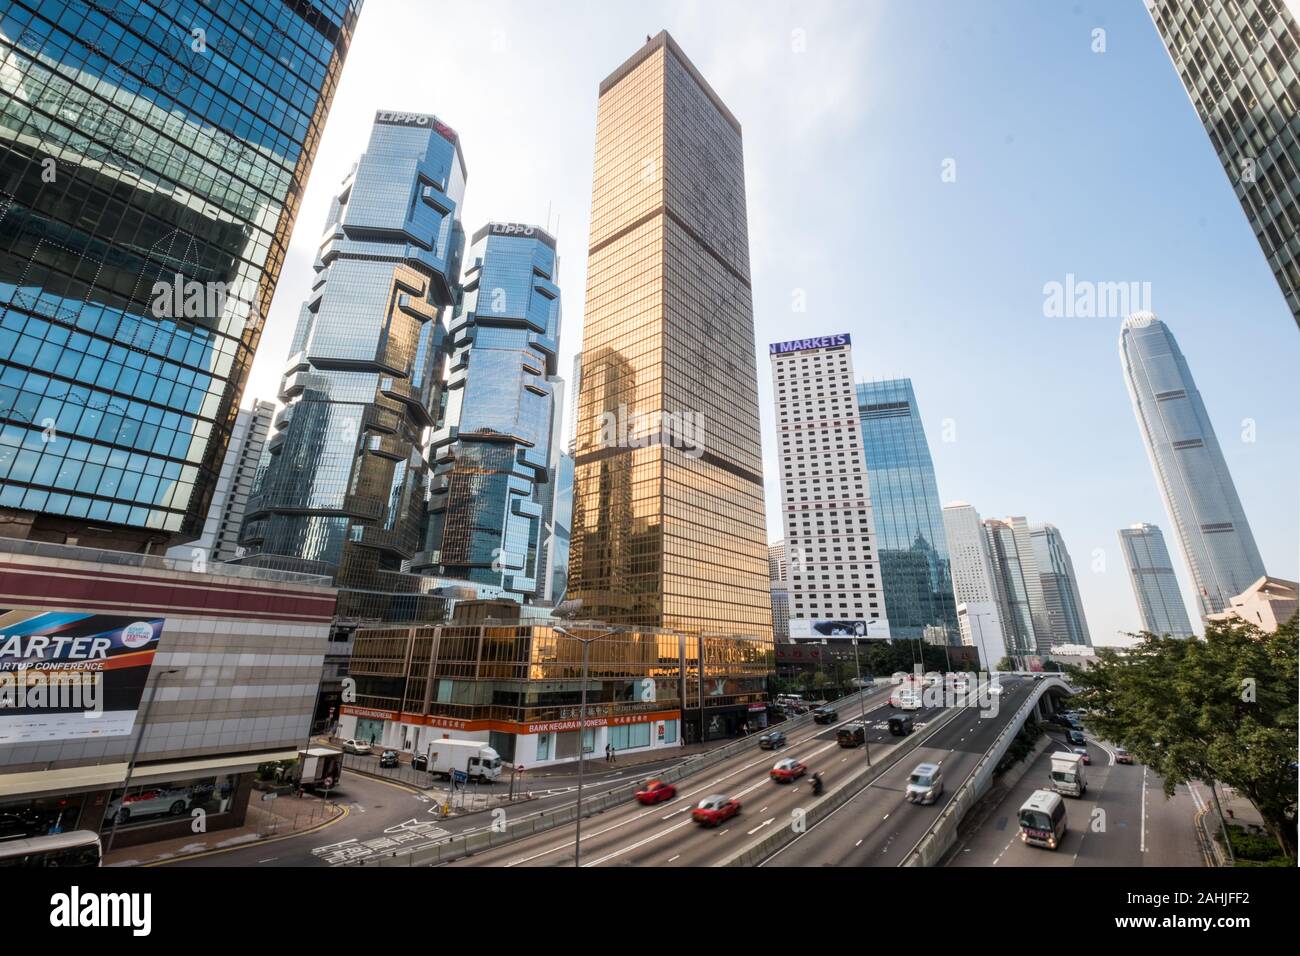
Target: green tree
1222	709
1006	664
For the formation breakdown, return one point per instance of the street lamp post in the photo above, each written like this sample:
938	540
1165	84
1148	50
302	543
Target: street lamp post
582	731
135	752
862	699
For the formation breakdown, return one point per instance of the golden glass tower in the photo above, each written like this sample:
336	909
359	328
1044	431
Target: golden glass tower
669	526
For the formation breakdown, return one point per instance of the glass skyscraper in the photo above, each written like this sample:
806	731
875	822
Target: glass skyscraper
342	486
1159	601
1238	62
669	528
1189	466
152	159
1021	604
492	446
1065	618
911	546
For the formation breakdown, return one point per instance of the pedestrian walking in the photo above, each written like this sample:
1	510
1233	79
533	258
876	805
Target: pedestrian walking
606	753
613	754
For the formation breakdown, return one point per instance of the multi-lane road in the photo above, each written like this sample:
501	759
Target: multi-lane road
1123	820
664	834
878	827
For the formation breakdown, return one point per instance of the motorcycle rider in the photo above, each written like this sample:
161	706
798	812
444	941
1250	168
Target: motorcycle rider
817	783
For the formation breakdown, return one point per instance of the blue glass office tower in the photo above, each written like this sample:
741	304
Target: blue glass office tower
491	448
1066	622
1189	466
911	547
143	144
1159	600
342	484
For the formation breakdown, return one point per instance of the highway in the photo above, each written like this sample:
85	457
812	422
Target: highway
878	827
1123	820
664	834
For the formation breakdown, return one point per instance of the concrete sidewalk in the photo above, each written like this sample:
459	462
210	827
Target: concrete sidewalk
265	820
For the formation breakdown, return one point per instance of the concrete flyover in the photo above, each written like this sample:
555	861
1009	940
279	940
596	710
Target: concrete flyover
940	837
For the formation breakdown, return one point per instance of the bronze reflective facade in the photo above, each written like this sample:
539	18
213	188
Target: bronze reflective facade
504	677
669	527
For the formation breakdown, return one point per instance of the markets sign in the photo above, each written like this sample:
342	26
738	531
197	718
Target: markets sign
69	676
801	345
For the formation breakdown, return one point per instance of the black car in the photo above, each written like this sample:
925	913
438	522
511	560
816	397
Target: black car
825	715
901	725
852	735
389	758
420	762
772	740
1076	737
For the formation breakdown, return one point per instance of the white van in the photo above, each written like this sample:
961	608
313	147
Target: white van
1042	819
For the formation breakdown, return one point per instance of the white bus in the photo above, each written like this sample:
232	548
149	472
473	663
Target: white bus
1042	819
78	848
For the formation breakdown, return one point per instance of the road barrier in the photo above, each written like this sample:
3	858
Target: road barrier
505	831
832	800
941	836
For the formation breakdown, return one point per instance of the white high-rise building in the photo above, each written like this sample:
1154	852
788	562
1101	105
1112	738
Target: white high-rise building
974	586
777	569
220	538
1189	466
834	580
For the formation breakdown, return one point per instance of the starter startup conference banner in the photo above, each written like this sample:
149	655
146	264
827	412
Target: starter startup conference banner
69	676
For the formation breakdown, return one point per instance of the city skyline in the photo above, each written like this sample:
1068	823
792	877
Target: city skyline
793	107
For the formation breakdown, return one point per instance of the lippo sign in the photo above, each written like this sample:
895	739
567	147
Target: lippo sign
803	345
66	676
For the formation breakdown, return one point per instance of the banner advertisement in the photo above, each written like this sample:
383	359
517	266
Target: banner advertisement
69	676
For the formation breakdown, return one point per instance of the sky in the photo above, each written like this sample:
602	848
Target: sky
917	173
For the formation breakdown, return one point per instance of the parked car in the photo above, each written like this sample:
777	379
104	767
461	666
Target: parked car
900	725
389	758
771	740
655	791
713	810
150	802
356	747
925	783
851	735
420	762
825	715
1083	753
1123	756
788	770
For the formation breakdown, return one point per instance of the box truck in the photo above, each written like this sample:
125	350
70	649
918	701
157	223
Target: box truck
320	767
476	759
1068	774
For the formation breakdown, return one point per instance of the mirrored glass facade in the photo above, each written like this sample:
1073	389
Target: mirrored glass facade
490	495
1240	64
505	677
1065	617
1189	466
1159	600
342	483
145	148
911	546
1016	580
669	527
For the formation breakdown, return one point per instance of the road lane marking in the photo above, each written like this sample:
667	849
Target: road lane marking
1143	843
765	823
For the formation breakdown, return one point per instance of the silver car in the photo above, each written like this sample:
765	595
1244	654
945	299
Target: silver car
925	784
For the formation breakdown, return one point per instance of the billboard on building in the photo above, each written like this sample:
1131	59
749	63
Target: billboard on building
811	629
68	676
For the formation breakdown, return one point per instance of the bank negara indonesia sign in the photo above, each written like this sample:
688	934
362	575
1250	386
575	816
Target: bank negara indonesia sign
800	345
67	675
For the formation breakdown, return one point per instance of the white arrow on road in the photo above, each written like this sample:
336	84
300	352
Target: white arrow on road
761	825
